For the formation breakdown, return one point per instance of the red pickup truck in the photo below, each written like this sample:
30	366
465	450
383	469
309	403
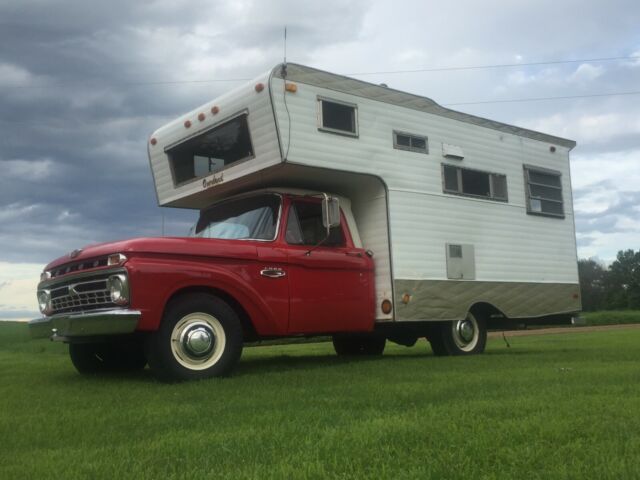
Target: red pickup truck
262	265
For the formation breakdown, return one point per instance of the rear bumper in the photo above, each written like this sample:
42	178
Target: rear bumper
89	324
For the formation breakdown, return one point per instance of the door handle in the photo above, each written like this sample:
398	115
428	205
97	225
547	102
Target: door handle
353	254
272	272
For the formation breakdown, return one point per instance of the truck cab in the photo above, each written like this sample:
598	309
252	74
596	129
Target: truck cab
270	263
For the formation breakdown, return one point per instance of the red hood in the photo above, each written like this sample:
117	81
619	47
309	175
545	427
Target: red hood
165	245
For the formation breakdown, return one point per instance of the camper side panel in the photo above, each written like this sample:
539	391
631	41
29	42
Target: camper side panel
518	258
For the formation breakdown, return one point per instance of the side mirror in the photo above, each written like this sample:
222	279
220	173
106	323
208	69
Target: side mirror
330	212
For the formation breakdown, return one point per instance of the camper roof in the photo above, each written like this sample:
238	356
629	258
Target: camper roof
341	83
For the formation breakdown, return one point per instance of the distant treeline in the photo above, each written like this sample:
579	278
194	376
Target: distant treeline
614	288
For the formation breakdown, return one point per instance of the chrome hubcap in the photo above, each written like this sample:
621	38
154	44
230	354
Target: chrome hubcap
466	333
465	330
198	340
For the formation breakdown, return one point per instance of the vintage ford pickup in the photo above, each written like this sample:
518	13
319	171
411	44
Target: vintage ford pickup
328	206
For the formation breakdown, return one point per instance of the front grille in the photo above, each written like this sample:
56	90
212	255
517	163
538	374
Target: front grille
79	266
81	294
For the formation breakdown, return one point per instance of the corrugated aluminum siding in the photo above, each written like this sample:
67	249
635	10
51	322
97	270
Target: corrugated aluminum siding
510	245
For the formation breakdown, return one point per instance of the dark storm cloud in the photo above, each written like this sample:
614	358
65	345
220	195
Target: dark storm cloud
83	84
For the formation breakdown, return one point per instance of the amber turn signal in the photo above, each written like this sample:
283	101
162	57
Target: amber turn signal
386	306
291	87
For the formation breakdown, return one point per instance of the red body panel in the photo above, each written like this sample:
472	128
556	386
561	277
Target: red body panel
330	290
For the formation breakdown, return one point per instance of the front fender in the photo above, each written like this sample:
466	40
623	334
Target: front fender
156	280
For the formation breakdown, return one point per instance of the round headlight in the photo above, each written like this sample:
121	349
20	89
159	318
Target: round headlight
118	289
44	301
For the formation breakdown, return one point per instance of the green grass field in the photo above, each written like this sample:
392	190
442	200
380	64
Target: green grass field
553	406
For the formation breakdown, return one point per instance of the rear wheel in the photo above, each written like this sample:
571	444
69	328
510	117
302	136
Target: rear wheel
461	337
366	344
94	358
200	337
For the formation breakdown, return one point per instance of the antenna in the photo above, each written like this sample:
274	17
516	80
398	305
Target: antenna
283	71
285	44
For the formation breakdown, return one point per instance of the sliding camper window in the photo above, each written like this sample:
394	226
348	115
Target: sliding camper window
543	191
474	183
211	151
337	117
410	142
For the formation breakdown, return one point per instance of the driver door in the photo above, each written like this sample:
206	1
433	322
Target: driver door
330	281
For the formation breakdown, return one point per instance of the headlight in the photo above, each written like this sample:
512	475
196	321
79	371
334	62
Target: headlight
119	289
44	301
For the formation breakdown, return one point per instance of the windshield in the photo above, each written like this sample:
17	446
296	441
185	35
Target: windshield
245	218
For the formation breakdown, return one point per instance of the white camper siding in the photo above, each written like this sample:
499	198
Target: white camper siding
261	127
370	209
510	245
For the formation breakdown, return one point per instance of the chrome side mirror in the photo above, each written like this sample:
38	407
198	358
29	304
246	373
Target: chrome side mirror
330	212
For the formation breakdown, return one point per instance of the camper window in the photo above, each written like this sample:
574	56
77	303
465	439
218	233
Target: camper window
474	183
410	142
211	151
544	191
337	117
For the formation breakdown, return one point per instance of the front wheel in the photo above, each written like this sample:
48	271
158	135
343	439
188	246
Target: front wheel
200	337
460	337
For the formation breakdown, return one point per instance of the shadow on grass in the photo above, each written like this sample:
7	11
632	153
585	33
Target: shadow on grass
282	362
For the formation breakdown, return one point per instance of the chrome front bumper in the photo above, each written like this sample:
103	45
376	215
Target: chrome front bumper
69	325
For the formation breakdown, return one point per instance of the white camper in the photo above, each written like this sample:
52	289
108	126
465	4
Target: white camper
459	212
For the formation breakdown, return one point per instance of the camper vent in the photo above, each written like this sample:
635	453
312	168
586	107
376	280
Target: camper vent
455	251
452	151
461	262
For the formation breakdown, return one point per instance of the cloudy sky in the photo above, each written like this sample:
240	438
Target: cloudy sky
82	85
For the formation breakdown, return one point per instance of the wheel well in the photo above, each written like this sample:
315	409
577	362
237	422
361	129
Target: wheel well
248	330
493	316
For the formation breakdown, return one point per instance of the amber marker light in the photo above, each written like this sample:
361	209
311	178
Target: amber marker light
406	298
259	87
201	117
187	123
153	141
291	87
386	306
215	109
